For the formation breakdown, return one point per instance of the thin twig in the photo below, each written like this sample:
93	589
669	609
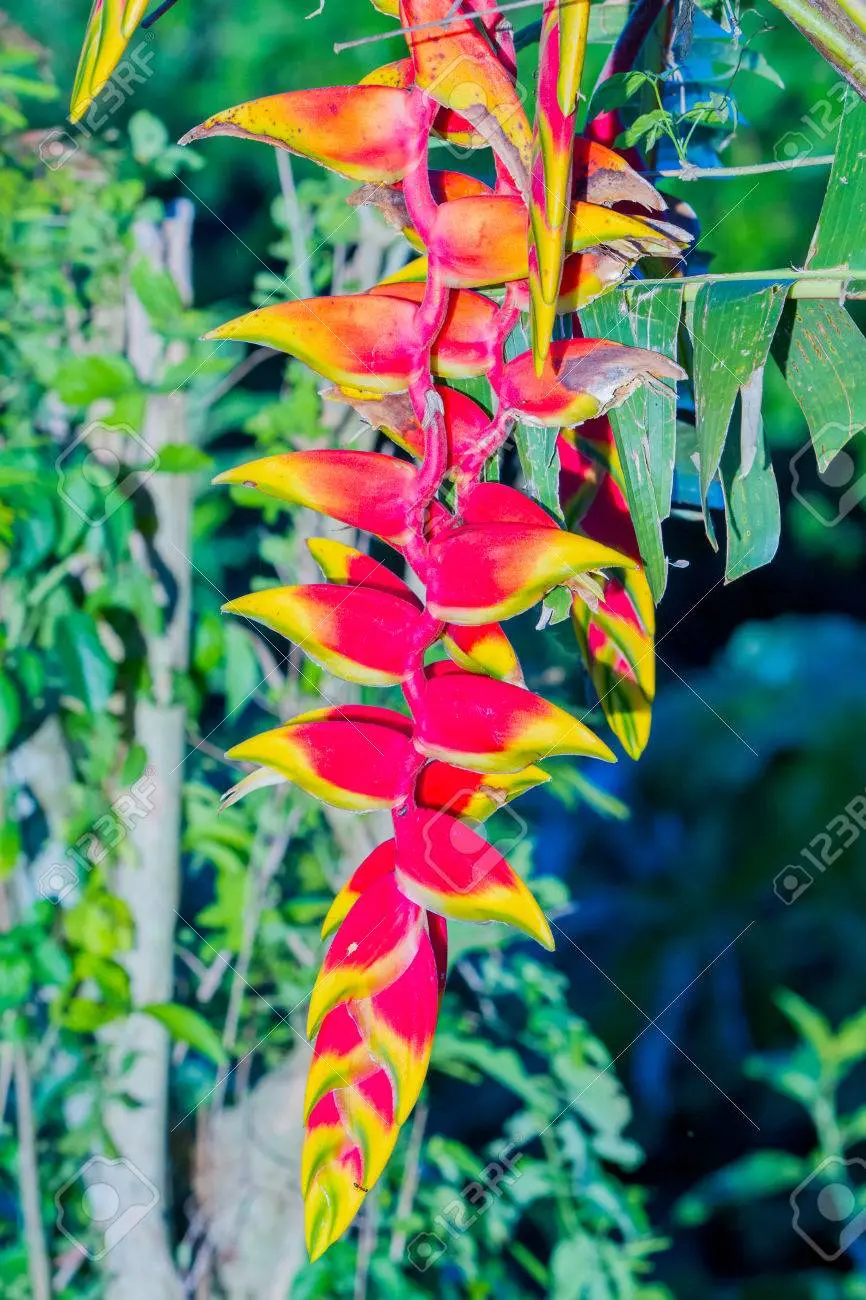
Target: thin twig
295	223
439	22
366	1243
158	13
256	889
409	1185
751	169
28	1178
239	373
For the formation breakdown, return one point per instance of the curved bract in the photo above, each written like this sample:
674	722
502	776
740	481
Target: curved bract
110	28
367	133
453	555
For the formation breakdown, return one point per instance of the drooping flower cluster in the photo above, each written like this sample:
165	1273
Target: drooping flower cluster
544	236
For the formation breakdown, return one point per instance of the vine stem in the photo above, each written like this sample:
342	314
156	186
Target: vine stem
690	173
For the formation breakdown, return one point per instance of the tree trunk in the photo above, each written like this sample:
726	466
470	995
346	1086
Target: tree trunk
140	1265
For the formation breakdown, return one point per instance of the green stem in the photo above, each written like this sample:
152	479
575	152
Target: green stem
856	11
565	1211
825	27
815	284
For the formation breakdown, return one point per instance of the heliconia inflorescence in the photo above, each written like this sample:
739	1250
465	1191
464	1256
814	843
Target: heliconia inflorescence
545	236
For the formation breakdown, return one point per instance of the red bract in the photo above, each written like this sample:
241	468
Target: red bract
546	234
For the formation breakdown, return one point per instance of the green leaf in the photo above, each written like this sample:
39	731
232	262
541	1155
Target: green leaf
822	355
90	672
732	326
814	1027
101	926
556	606
148	136
82	380
539	458
182	458
754	1176
10	847
752	511
649	128
645	317
840	235
10	710
84	1016
188	1026
243	670
850	1042
15	978
617	90
577	1272
157	293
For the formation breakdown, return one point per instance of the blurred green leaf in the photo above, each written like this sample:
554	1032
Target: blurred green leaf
82	380
90	671
188	1026
183	458
157	293
10	710
758	1174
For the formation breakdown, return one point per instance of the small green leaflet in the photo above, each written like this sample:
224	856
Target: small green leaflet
644	317
732	326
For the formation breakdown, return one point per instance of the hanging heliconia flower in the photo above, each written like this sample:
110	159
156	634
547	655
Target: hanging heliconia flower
545	236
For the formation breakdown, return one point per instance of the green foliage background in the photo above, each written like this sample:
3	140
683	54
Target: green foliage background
674	1181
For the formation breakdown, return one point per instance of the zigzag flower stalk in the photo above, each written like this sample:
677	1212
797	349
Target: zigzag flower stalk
470	735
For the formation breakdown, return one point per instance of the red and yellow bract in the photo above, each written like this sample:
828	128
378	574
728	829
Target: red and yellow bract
547	235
